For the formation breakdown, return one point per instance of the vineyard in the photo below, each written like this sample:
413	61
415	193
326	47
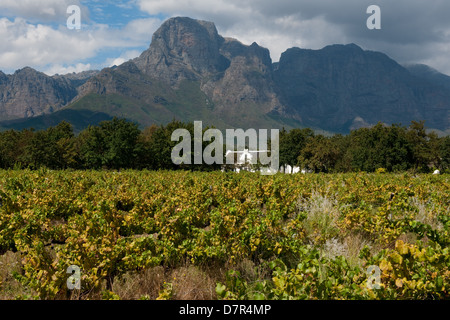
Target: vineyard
198	235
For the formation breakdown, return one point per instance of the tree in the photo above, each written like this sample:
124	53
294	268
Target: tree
52	148
10	153
113	144
418	139
62	150
291	145
444	153
161	145
91	145
319	154
144	157
379	147
342	145
120	137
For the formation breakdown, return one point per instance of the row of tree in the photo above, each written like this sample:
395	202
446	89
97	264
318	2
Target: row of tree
115	144
392	148
119	144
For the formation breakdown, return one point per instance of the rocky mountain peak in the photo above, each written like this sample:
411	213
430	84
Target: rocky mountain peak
28	93
26	70
229	72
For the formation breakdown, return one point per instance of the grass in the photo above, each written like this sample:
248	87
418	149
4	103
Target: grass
349	248
426	213
181	283
322	214
186	283
10	264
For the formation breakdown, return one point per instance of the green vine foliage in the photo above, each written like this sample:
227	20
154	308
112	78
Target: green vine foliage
111	223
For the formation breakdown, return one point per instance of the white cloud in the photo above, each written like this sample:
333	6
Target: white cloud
287	32
141	30
438	59
42	10
224	8
126	56
60	69
38	46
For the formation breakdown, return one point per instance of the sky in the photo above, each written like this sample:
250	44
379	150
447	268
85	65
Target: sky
34	33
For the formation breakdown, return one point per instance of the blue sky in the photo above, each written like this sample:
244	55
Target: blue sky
34	32
116	14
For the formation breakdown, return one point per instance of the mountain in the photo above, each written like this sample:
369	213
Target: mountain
429	74
28	93
342	87
190	72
